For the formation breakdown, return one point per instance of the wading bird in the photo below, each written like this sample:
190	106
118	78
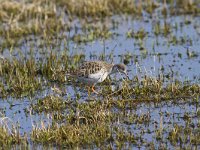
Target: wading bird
93	72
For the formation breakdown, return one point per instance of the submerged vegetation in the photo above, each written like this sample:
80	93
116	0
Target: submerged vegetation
157	40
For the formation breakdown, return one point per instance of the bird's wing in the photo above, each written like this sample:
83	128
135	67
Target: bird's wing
87	68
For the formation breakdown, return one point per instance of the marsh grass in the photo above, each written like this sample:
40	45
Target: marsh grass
22	18
85	124
10	134
181	135
25	76
99	122
18	78
72	136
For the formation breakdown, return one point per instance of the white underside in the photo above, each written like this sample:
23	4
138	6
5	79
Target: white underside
94	78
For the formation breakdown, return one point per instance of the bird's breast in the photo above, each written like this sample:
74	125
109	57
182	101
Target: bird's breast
99	76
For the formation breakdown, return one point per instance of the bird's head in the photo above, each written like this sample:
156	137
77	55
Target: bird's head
120	68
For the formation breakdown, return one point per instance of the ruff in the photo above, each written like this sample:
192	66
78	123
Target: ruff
93	72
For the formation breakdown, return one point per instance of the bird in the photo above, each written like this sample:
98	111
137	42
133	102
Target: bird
93	72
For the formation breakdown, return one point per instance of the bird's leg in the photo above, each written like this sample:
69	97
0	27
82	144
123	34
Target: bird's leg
93	90
88	90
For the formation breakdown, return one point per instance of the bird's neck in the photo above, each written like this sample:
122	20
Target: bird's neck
113	70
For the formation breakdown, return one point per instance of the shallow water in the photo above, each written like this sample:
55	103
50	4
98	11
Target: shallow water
160	53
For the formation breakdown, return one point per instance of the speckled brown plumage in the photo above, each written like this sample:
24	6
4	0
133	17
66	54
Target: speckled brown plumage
90	67
93	72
